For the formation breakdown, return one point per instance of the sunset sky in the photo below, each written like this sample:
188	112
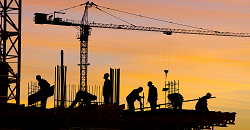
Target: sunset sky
219	65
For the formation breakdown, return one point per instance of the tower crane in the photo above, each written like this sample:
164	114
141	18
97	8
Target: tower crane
84	26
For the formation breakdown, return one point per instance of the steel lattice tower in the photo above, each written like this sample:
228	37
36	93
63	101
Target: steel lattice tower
84	38
10	51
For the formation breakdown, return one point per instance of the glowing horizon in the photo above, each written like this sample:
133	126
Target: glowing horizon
219	65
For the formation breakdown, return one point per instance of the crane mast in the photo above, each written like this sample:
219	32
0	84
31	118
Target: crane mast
84	35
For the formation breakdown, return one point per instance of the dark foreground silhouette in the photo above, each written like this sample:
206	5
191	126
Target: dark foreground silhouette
42	94
83	97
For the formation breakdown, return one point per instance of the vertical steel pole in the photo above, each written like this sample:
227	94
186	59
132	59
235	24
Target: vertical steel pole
62	80
165	94
112	84
174	86
72	92
118	87
58	85
169	89
64	85
99	94
115	86
55	89
69	95
143	101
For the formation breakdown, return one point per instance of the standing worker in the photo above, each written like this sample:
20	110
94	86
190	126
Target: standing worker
132	97
201	105
87	98
152	96
107	89
176	100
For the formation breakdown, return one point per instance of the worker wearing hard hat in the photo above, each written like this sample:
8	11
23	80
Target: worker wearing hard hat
45	92
201	105
107	89
152	96
83	97
176	100
132	97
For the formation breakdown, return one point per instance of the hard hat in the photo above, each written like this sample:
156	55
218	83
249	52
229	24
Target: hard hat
106	74
209	95
150	83
38	77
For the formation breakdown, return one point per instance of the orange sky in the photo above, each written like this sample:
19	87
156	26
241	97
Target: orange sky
219	65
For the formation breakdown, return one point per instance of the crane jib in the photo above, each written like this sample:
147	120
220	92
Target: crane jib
41	18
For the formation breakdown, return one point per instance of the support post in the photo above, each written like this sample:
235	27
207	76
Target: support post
64	86
57	86
62	80
111	77
118	87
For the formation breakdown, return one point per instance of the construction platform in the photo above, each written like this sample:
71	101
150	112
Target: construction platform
112	117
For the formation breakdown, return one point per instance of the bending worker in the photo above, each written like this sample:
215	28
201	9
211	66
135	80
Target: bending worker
132	97
176	100
85	97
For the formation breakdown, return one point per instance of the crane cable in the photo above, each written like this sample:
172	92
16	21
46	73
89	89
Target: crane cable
96	6
168	50
168	53
69	8
153	18
114	16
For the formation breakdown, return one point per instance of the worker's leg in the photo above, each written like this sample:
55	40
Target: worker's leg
153	105
106	99
43	103
81	105
77	99
180	105
73	104
87	101
131	106
174	105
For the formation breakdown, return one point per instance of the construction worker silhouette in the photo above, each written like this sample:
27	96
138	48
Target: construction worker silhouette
132	97
44	92
201	105
85	97
107	89
152	96
176	100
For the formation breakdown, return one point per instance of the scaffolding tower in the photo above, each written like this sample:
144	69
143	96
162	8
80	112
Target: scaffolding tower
10	51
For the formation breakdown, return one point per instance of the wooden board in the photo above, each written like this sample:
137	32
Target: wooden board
40	95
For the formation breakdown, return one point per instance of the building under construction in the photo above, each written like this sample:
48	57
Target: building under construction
111	117
114	116
97	115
